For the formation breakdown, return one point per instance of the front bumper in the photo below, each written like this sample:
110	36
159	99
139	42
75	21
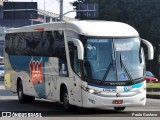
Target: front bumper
95	101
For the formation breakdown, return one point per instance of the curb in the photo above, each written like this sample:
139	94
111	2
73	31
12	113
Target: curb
153	89
153	96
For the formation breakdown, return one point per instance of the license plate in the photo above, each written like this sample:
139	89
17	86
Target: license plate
117	102
109	90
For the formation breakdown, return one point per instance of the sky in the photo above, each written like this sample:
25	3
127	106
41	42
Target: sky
53	6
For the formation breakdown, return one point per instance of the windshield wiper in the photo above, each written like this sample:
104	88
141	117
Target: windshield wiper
125	68
107	71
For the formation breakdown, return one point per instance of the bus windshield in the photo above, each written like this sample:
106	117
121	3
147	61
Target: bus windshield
112	59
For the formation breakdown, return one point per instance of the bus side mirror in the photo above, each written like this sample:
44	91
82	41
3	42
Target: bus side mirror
80	48
150	49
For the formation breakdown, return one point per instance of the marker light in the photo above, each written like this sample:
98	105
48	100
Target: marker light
40	29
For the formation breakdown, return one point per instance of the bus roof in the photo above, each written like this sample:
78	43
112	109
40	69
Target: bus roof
88	28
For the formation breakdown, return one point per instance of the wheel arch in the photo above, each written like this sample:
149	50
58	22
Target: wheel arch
18	80
62	87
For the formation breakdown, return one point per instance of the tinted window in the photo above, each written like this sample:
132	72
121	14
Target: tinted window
47	43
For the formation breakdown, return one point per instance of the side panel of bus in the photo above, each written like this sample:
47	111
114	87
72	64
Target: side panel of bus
42	61
34	58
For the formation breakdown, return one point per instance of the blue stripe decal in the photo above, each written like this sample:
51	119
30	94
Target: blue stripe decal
128	88
100	86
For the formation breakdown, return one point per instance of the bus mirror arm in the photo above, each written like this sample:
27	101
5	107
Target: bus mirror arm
80	48
150	49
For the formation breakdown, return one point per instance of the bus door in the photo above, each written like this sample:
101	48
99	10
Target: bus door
75	65
77	92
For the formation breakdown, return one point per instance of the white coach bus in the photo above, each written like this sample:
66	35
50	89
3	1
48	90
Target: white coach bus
92	64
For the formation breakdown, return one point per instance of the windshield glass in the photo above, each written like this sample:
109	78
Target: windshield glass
112	59
98	58
128	57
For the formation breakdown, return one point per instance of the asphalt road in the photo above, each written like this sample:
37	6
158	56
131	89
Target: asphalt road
9	102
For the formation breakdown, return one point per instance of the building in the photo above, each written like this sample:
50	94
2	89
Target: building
10	23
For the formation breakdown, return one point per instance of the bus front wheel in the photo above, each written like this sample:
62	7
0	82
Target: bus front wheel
119	108
24	98
66	104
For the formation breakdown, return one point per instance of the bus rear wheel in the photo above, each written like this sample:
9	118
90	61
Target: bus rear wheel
119	108
23	98
65	101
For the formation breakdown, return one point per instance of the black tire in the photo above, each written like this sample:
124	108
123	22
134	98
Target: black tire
24	98
65	100
119	108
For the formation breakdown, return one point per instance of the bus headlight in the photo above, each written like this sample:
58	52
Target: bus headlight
92	91
140	90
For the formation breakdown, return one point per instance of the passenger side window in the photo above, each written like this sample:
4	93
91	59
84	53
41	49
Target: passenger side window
41	43
60	52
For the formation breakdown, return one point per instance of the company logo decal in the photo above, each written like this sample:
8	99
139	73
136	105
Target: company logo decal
118	94
128	88
36	73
